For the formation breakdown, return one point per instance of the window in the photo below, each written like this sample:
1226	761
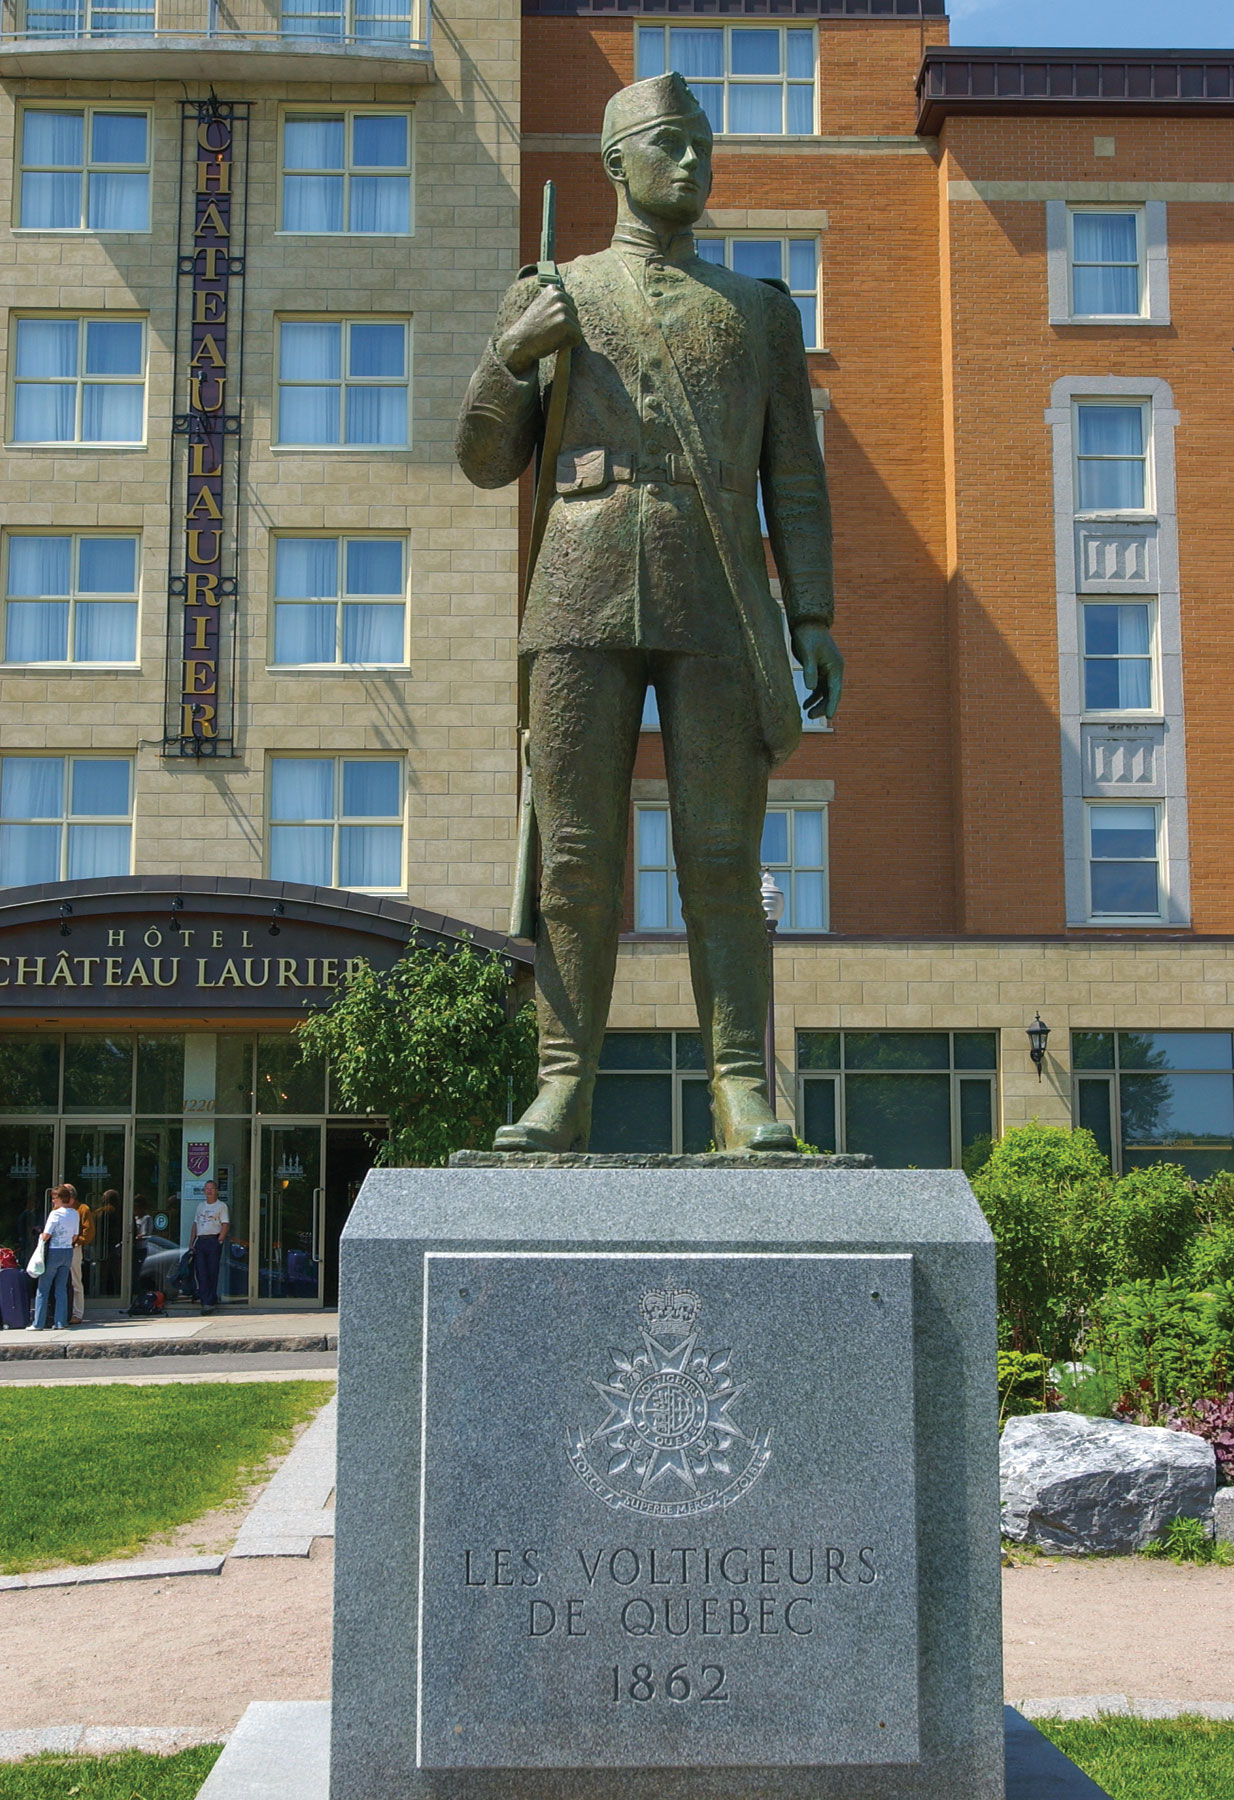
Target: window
1157	1096
64	818
909	1099
343	381
87	170
793	260
347	171
79	381
1124	861
794	847
81	18
70	598
1106	263
1118	655
337	821
750	80
364	21
651	1094
1111	456
339	600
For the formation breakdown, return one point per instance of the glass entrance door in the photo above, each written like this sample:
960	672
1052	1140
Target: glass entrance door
290	1217
27	1163
95	1159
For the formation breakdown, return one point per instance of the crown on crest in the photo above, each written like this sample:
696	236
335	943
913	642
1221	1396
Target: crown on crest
666	1310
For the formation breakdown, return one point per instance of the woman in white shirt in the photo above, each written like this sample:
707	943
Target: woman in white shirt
59	1235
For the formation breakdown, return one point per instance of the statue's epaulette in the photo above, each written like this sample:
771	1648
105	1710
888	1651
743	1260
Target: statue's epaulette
768	281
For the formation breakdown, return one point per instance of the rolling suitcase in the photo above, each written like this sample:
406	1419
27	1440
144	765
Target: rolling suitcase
16	1299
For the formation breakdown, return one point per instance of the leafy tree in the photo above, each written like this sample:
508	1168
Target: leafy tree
1046	1192
433	1044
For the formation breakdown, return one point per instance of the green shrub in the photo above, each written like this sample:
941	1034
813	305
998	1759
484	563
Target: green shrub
1151	1222
1023	1384
1165	1340
1189	1541
1210	1256
1047	1192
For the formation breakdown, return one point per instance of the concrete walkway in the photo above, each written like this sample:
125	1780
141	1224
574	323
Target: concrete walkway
235	1330
297	1503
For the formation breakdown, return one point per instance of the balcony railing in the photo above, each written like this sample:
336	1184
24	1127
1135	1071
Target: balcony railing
303	39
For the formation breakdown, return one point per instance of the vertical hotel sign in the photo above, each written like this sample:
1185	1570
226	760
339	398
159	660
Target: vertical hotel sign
203	582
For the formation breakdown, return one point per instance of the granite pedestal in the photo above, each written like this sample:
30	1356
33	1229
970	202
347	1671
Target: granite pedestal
667	1482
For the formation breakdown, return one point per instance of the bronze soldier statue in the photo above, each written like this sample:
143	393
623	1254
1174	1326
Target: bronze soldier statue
688	384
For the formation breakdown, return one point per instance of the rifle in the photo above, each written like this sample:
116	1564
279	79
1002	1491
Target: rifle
522	903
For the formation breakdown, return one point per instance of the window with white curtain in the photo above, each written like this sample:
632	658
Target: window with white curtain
1111	455
1118	638
79	380
750	80
794	848
792	260
347	171
87	169
340	600
337	821
1106	262
70	597
1124	860
80	18
344	381
339	21
64	818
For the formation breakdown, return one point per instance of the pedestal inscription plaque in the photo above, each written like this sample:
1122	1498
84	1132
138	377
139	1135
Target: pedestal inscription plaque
667	1511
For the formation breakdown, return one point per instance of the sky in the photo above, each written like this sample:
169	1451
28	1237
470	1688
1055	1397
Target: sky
1121	24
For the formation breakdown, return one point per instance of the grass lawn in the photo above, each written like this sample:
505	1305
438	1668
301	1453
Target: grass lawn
128	1776
1148	1759
96	1472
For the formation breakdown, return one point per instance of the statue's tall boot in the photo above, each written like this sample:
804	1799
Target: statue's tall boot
575	959
729	966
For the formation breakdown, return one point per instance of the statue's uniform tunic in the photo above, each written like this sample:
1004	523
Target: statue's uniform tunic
630	589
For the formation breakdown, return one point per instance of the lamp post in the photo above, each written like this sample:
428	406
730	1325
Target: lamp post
1037	1032
773	911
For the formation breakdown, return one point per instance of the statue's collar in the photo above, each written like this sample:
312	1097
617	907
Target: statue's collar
640	241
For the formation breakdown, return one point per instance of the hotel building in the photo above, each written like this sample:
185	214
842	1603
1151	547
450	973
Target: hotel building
257	698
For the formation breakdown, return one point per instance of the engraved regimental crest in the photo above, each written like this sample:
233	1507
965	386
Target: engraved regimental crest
670	1446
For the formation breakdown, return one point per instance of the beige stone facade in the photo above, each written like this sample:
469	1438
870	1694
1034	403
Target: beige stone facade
449	712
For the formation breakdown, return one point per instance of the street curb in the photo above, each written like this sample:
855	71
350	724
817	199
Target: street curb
104	1740
1097	1706
92	1573
96	1350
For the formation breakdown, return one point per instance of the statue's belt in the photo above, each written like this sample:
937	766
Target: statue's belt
587	471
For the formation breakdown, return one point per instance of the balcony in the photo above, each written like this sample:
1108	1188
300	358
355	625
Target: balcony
206	40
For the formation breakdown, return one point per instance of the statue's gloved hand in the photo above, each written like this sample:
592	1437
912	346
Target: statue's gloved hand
550	323
821	665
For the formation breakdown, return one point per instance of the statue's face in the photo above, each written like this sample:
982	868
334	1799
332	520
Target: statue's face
667	170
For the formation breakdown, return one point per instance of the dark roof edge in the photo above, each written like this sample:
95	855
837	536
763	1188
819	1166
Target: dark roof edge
376	914
889	12
997	81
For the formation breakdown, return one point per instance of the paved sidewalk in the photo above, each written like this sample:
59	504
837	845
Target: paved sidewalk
296	1504
104	1740
236	1330
164	1370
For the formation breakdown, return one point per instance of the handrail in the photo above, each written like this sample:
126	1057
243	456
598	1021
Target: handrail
417	41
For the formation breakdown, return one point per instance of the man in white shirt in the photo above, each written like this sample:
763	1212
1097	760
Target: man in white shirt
210	1227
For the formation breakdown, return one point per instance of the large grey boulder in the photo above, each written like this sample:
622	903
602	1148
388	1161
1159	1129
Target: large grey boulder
1092	1486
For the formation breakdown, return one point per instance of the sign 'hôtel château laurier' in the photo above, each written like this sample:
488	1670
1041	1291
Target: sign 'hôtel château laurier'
258	697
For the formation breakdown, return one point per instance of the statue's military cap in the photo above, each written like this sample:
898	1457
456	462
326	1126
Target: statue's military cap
645	104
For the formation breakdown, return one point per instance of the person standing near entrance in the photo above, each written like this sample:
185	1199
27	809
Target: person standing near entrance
59	1236
211	1224
85	1236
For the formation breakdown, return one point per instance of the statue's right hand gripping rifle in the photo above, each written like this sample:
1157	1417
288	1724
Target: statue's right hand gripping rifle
522	906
